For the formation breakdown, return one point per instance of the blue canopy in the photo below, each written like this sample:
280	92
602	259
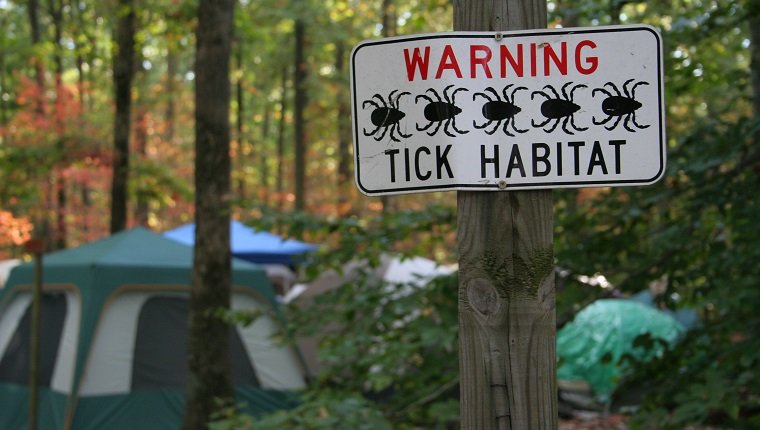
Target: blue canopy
249	244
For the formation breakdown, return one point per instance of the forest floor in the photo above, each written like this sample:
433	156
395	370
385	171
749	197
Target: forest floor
593	421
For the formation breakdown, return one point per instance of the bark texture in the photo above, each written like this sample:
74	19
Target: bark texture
299	109
123	73
209	375
506	283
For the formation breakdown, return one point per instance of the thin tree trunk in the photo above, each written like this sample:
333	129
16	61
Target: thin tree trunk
43	220
299	107
389	18
78	12
171	70
754	31
123	75
39	71
506	283
80	83
86	196
280	174
344	134
208	336
239	123
3	89
388	21
55	8
616	6
262	153
142	208
76	18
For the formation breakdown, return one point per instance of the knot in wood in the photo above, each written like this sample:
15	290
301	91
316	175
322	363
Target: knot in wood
483	297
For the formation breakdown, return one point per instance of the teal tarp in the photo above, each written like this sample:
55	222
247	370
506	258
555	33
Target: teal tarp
590	347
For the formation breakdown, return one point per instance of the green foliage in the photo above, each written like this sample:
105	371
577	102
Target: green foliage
697	226
393	361
228	417
389	350
154	183
409	232
327	410
392	343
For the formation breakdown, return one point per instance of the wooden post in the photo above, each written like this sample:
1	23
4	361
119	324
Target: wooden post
506	278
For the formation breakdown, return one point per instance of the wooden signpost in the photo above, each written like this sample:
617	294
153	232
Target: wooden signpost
507	331
507	361
504	113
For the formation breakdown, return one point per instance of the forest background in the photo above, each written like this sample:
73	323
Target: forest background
696	230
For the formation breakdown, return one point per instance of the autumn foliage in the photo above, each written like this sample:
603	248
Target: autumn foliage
14	232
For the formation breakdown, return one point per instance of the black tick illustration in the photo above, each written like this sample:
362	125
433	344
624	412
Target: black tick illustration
498	110
621	106
386	116
441	111
556	108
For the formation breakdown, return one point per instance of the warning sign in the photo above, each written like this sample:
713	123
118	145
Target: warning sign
577	107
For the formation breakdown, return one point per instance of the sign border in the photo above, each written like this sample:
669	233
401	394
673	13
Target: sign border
505	35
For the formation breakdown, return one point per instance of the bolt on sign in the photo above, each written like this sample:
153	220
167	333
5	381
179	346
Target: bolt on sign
579	107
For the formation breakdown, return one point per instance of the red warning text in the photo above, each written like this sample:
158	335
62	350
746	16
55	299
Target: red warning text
508	60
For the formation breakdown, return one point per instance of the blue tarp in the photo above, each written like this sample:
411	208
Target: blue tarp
249	244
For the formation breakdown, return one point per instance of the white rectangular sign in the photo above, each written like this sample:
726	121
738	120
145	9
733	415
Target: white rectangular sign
578	107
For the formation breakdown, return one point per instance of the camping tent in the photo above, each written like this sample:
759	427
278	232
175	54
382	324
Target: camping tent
259	247
114	334
5	269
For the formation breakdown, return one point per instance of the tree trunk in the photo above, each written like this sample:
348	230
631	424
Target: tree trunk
344	134
616	6
388	21
142	205
123	72
78	11
42	220
171	70
262	152
754	31
299	107
389	18
39	71
570	14
506	283
208	335
280	175
239	123
55	8
3	89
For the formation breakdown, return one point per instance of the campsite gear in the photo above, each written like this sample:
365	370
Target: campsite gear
114	334
590	347
406	274
248	244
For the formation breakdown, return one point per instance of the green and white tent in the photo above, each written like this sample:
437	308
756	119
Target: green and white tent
113	338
